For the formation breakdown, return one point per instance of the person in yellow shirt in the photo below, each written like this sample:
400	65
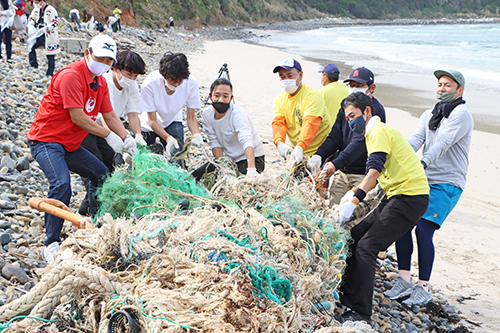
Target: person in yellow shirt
393	163
298	112
333	92
118	14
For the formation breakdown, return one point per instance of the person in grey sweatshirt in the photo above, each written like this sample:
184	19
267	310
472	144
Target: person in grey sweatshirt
445	133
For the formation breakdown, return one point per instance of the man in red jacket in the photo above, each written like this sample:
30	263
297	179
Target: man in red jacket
67	114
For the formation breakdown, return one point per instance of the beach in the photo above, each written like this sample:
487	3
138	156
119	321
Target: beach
467	251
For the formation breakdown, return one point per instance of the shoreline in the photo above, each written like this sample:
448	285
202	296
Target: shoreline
466	261
411	91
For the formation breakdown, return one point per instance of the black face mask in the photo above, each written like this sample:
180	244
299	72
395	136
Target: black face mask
220	107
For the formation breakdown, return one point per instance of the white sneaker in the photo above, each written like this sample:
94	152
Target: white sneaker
419	296
51	251
401	288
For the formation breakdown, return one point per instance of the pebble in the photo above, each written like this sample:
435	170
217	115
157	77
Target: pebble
11	271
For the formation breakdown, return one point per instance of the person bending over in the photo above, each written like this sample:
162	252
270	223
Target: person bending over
231	132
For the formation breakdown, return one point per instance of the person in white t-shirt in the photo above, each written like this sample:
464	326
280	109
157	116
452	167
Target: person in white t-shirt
126	100
163	95
231	132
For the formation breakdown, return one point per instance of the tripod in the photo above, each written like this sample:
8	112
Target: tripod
224	73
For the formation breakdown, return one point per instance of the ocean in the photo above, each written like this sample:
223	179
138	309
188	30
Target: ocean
406	56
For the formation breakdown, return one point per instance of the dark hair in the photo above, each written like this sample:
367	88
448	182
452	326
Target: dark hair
332	77
130	61
358	100
116	6
174	66
221	81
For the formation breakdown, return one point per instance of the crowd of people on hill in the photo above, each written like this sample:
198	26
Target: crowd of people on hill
341	129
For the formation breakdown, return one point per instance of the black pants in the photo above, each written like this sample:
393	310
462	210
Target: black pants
76	20
6	36
385	225
260	164
98	147
40	41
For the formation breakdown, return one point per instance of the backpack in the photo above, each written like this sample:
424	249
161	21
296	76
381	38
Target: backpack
20	4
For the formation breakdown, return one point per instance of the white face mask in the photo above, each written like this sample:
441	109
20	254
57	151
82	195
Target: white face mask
353	90
171	87
97	68
37	5
125	82
289	85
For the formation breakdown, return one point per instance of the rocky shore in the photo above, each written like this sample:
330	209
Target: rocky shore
22	228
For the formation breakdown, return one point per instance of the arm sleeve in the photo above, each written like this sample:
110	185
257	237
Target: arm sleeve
106	105
333	141
376	161
207	125
147	99
280	128
310	126
193	100
71	88
134	101
459	124
241	123
417	139
51	26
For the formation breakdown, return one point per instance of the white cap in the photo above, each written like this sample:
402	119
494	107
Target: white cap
103	46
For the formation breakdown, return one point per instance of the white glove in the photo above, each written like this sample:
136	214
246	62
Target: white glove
347	197
171	145
127	158
140	140
297	154
345	211
129	145
314	162
115	142
197	140
284	149
252	173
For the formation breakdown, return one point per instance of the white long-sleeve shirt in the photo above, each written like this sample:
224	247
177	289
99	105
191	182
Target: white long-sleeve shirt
446	150
233	133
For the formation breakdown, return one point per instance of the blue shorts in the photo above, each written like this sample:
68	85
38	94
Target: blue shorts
442	199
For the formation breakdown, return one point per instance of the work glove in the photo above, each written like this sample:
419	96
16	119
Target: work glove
197	140
115	142
129	145
284	149
345	210
314	162
140	140
347	197
297	154
252	173
127	158
171	145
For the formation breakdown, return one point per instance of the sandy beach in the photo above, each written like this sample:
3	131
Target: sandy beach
467	250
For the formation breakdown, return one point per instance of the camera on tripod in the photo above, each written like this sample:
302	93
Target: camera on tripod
224	71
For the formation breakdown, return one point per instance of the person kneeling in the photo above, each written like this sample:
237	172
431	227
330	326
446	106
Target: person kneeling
231	132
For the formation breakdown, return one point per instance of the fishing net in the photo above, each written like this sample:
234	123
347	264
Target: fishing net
246	256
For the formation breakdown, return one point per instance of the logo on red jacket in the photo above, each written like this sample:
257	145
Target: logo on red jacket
90	105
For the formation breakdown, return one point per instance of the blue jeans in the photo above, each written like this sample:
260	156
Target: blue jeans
175	129
56	163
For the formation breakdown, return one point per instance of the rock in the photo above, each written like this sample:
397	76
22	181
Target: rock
415	309
7	204
8	162
5	238
2	262
4	169
23	163
4	224
10	271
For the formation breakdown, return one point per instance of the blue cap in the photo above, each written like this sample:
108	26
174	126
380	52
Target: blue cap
330	69
288	63
361	75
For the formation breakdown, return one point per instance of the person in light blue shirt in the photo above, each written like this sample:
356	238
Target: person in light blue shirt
445	133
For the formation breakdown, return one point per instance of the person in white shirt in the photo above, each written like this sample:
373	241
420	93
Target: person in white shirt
164	93
231	132
126	100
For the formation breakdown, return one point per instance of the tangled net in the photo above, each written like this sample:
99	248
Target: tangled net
257	259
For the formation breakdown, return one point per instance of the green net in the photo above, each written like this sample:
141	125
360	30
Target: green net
151	185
